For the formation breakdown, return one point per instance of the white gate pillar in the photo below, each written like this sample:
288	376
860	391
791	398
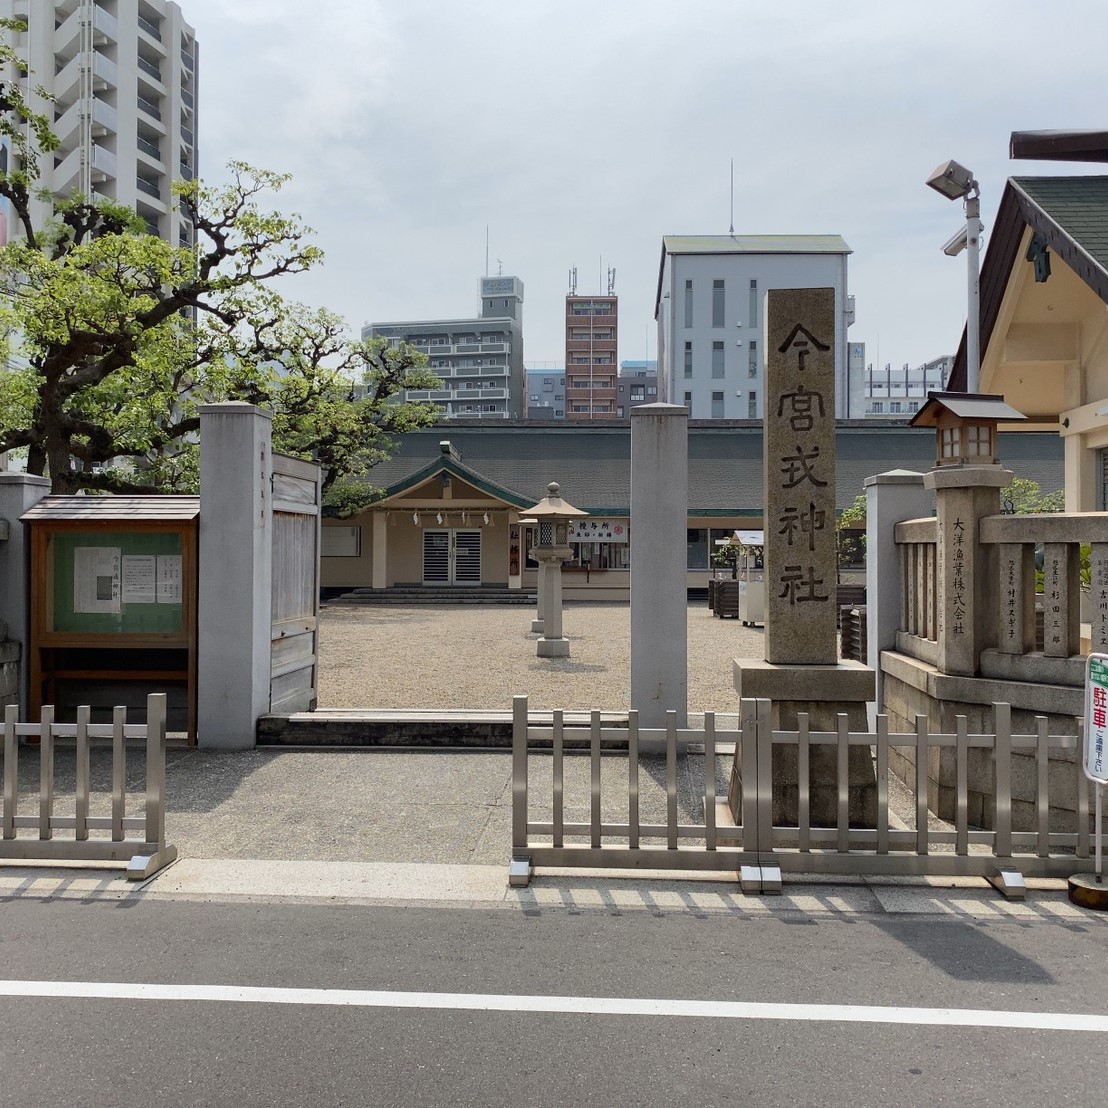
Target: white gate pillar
891	498
659	591
236	570
19	493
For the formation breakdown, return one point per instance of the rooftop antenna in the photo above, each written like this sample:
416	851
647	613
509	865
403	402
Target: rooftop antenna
499	268
732	196
611	280
573	281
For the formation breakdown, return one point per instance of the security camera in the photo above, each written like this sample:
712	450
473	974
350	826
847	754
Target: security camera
957	242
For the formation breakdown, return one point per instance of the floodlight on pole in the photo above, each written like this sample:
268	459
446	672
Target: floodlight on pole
956	182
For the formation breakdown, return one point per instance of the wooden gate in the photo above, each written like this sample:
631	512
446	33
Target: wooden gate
294	646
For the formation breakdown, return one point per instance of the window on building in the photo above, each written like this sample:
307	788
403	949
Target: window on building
753	370
651	391
688	359
696	548
688	303
688	402
752	404
753	313
895	406
717	303
619	411
877	407
913	406
717	359
717	405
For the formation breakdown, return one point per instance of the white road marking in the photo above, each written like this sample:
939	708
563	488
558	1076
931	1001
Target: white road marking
573	1005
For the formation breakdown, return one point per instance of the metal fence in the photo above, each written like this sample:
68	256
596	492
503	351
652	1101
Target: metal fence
755	846
145	853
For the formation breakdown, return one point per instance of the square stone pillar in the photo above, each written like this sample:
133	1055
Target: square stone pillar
19	493
891	498
235	610
380	574
659	592
969	596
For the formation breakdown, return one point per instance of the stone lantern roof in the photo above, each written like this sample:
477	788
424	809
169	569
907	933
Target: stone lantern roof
964	405
552	506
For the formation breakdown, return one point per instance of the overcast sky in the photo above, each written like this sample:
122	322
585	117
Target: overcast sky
579	135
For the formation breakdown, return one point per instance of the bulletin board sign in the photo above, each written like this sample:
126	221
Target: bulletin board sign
121	582
113	589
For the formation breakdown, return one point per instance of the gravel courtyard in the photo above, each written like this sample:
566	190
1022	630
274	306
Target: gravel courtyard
465	656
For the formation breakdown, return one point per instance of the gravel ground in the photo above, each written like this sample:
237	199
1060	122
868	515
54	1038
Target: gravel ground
470	656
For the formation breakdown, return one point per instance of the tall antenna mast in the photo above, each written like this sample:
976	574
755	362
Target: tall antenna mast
611	280
573	281
732	196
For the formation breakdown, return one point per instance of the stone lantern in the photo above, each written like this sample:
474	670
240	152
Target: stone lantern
965	426
554	516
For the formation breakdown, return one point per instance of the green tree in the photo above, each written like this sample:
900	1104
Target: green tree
115	337
1025	496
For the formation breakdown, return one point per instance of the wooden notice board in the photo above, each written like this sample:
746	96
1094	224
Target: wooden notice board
113	603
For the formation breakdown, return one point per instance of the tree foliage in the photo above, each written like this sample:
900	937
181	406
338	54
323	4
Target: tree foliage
115	337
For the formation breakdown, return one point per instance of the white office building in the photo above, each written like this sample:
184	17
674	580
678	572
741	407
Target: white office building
900	393
710	312
479	360
123	74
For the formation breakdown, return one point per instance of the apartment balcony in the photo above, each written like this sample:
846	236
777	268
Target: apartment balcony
150	152
151	112
481	394
150	68
187	60
105	165
68	171
149	27
68	34
595	346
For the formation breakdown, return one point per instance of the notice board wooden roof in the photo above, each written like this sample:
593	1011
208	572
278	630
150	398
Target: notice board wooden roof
115	509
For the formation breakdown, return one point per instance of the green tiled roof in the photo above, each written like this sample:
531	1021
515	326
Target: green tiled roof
1079	207
593	464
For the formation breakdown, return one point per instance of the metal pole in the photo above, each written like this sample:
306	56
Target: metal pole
973	308
1097	829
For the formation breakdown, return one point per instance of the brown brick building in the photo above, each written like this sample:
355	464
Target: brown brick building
592	357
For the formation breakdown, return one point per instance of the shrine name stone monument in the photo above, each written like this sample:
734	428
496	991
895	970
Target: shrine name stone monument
801	671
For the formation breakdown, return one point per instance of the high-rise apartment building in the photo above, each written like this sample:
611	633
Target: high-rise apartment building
480	361
123	74
710	311
592	362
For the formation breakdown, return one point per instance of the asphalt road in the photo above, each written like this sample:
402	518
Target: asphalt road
397	1047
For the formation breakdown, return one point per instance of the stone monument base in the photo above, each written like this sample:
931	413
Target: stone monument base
552	648
824	692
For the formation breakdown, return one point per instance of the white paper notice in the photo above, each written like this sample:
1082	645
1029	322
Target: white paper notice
169	578
96	579
138	578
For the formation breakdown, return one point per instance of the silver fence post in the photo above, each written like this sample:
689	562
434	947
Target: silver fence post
519	868
155	769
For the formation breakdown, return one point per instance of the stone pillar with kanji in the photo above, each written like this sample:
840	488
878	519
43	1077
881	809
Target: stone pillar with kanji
801	670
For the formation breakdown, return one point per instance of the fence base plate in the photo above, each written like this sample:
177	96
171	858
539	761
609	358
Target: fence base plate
760	879
520	872
142	866
1010	882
